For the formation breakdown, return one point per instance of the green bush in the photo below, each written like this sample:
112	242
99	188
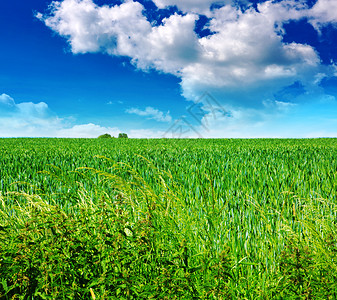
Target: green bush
105	136
104	248
123	136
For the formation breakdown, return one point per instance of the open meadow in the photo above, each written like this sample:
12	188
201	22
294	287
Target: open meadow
168	219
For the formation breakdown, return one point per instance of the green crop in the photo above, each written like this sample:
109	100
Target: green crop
168	219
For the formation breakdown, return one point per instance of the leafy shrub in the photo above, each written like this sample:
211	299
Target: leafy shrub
307	266
104	248
105	136
123	136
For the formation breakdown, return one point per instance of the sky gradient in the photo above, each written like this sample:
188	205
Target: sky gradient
168	68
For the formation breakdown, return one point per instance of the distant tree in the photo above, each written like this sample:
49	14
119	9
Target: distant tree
123	136
105	136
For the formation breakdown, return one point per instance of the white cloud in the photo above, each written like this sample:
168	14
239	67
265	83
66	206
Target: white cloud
146	133
28	119
25	119
195	6
27	110
90	28
246	48
123	30
151	113
275	120
242	122
87	131
31	109
170	46
243	63
322	13
6	101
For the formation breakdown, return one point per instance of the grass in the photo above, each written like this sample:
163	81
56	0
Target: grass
168	219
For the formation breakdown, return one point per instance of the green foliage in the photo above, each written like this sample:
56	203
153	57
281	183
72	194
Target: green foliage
110	247
105	136
123	136
168	219
308	262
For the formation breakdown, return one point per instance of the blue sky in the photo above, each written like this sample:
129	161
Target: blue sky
168	68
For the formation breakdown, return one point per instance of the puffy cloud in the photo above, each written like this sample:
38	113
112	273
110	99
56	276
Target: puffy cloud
25	119
245	49
244	63
28	119
151	113
6	101
86	131
322	13
123	30
90	28
29	110
170	46
195	6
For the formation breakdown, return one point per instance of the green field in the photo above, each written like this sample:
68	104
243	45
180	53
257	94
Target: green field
168	219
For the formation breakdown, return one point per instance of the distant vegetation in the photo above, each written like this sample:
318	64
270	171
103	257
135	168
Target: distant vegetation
168	219
123	136
105	136
108	136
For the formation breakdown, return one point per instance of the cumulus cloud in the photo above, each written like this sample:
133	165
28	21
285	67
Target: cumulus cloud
6	101
151	113
28	110
90	28
323	13
123	30
243	62
244	49
195	6
86	131
25	118
28	119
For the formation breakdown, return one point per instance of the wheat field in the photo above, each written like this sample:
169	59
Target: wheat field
168	219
